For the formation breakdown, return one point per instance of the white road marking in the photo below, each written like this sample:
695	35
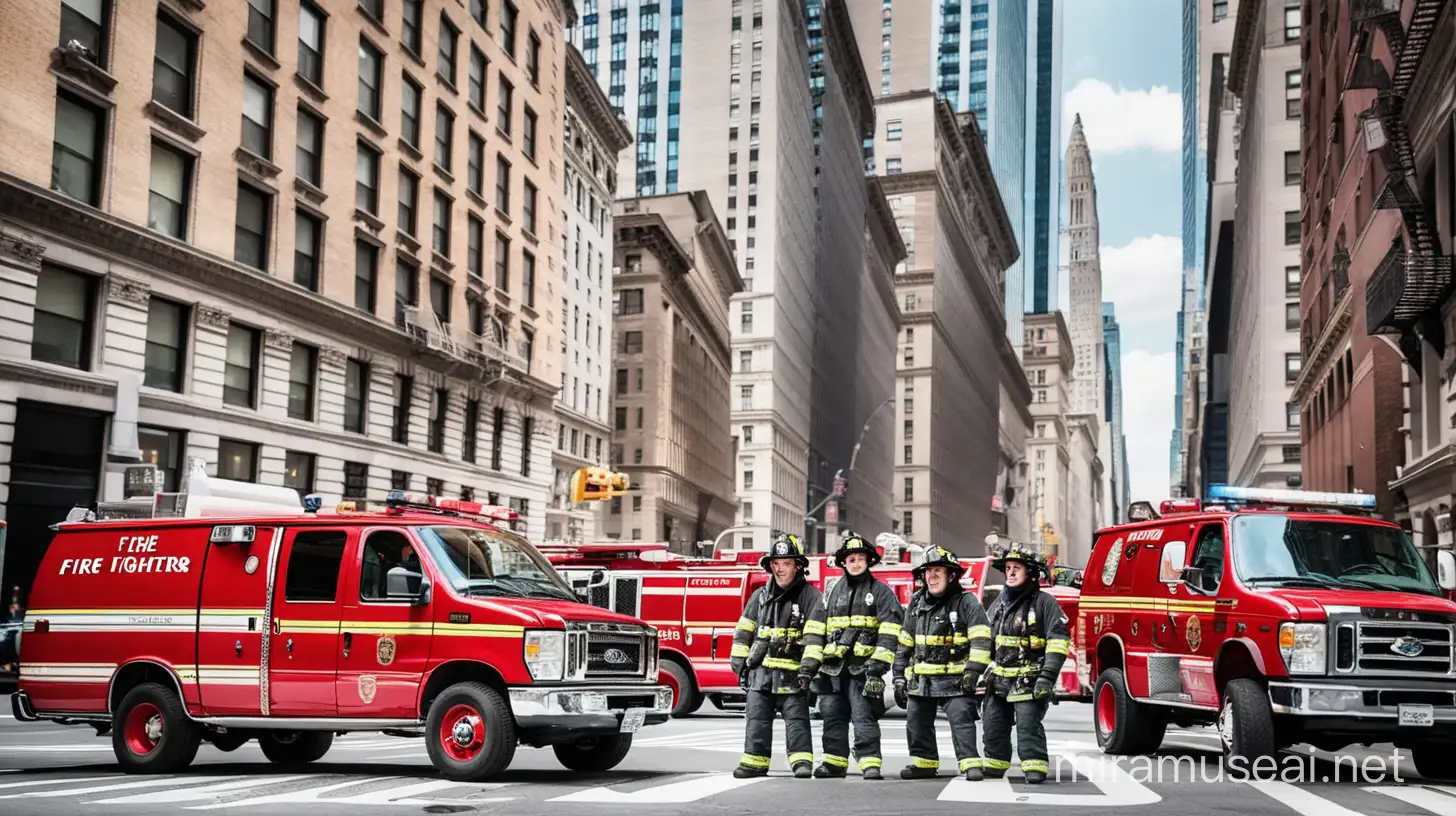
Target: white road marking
386	796
1427	797
1300	800
675	793
56	749
201	794
422	755
1118	789
144	783
30	783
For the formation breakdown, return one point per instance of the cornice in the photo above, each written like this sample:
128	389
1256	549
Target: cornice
585	96
844	54
724	263
987	195
648	231
1248	20
880	223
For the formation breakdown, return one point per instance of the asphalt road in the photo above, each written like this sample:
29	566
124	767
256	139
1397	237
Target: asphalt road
46	768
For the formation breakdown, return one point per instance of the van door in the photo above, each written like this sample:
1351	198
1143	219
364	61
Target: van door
384	643
232	620
304	636
1198	626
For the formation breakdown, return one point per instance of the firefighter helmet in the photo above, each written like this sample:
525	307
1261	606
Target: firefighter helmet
785	546
940	557
851	543
1034	561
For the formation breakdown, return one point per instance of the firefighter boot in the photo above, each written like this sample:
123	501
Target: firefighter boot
914	771
1034	777
872	773
745	772
803	770
974	775
829	771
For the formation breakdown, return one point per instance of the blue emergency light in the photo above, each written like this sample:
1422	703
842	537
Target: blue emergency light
1275	495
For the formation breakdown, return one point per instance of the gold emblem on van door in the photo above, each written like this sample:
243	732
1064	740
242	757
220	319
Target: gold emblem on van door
386	650
1194	632
367	686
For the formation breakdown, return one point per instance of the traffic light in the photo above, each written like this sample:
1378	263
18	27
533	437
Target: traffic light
597	484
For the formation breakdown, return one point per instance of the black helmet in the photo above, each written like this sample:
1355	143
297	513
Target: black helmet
940	557
851	543
1035	562
785	546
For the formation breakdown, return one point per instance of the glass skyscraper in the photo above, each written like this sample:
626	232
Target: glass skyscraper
1044	167
623	42
1194	201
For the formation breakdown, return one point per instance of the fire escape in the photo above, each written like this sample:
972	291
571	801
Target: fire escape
1404	294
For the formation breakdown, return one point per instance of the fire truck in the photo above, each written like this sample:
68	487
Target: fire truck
695	604
251	614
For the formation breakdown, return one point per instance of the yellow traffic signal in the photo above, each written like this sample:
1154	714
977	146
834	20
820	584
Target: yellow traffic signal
597	484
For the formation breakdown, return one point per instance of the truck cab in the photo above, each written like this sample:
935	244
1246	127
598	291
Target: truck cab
1279	616
248	614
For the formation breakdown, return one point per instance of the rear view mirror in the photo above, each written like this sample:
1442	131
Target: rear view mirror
401	584
1446	569
1170	569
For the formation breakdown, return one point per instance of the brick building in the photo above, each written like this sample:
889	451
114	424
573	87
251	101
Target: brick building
183	186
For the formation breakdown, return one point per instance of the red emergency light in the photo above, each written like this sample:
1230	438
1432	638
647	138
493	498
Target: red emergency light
400	500
1175	506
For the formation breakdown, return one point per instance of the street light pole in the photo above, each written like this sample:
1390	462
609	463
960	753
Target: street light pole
841	476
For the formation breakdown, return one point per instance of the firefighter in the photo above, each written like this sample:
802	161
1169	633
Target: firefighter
1031	641
862	631
777	648
945	643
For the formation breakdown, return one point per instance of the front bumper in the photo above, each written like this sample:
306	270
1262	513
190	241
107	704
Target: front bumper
1324	706
571	711
21	708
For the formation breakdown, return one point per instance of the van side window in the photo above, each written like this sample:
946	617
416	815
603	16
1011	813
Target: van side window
313	565
1209	556
383	551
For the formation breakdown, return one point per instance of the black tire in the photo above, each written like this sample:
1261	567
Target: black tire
492	726
1434	762
295	747
1124	726
689	699
154	735
231	741
594	754
1246	722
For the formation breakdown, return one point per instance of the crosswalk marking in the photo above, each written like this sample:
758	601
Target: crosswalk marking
1300	800
30	783
675	793
201	794
145	783
1428	797
1118	789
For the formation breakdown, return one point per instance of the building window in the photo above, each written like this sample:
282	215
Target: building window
474	167
475	246
477	11
502	262
528	133
356	395
307	247
508	28
533	59
310	148
1291	228
86	22
528	207
251	230
371	80
162	448
257	117
893	130
1292	366
237	461
440	224
302	363
239	379
502	185
404	387
892	165
1291	280
172	66
298	471
1291	454
497	439
373	8
366	276
1220	10
440	297
311	43
1292	84
76	151
411	94
503	107
260	24
631	301
166	344
438	408
1291	316
471	431
1291	168
1291	23
444	138
366	179
409	198
62	323
632	344
171	178
445	64
1291	415
413	18
477	79
528	281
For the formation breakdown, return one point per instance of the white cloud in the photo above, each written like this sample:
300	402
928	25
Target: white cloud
1143	279
1147	415
1119	119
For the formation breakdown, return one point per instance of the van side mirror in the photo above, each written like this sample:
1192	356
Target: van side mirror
1446	569
1171	569
401	584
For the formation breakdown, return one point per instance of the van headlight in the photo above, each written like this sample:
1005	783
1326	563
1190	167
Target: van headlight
1302	645
545	654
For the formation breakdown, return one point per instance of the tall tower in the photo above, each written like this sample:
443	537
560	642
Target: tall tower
1085	276
1043	176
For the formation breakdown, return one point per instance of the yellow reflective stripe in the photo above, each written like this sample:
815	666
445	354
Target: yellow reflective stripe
835	650
960	640
866	763
1017	698
883	655
889	628
814	627
838	621
906	640
1034	765
931	640
751	761
979	656
781	663
739	650
863	649
1060	649
982	631
1038	642
838	761
940	668
996	764
812	652
863	621
1010	640
922	762
795	759
973	762
747	624
1014	671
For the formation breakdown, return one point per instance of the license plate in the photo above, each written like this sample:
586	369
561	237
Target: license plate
633	719
1420	715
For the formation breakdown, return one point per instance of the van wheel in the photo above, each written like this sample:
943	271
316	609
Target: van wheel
685	696
1246	721
231	741
594	754
154	733
469	733
1124	726
295	747
1434	761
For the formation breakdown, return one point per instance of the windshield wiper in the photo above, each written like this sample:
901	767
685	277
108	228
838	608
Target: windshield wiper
528	587
1294	581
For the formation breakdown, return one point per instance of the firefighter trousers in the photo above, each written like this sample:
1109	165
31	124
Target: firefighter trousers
759	728
1031	742
842	707
920	730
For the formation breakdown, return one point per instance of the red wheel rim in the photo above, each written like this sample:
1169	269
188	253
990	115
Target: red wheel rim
1106	710
671	680
143	728
462	733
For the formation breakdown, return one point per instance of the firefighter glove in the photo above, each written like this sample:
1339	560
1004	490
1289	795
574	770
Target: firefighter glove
874	687
1043	689
901	698
805	677
969	681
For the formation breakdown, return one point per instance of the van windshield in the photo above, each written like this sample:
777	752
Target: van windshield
479	561
1276	550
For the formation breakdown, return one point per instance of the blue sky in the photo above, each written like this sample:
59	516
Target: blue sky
1121	69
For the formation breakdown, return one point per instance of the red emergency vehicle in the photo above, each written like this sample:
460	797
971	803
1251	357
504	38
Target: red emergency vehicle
1280	616
254	615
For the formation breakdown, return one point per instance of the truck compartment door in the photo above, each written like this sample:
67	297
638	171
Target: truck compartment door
303	638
